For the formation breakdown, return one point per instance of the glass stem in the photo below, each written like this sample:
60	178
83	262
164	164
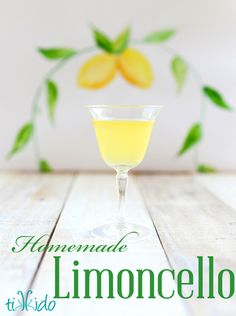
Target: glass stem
121	182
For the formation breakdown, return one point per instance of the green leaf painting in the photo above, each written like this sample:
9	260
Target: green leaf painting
121	42
206	169
52	96
103	41
179	70
194	135
22	138
57	53
216	98
159	36
44	166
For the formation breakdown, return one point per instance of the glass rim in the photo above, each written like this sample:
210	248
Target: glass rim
122	106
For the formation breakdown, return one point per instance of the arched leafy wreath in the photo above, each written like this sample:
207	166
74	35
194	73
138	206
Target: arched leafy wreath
98	71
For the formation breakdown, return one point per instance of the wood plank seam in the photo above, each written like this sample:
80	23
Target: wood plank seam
203	198
187	305
50	236
150	215
94	196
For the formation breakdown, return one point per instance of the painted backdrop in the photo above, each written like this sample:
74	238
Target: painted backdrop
205	36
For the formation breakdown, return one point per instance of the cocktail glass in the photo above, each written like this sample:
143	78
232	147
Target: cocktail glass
123	133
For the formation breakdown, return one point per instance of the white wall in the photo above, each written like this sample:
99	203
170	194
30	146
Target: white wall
206	36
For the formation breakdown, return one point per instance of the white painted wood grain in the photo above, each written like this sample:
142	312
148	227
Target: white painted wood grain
29	205
93	201
193	216
192	222
222	185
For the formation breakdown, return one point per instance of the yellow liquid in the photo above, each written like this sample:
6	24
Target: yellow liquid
123	142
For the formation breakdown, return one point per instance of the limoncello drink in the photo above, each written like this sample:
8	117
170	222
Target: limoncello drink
123	143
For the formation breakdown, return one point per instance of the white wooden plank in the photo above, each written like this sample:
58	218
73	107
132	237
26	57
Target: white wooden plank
222	185
29	205
92	201
192	222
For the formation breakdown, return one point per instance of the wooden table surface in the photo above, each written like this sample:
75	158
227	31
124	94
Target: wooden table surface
188	216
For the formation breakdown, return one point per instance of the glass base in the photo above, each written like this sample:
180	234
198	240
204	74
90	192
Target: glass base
117	230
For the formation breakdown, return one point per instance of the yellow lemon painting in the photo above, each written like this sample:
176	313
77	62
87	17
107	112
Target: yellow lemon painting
101	69
97	71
